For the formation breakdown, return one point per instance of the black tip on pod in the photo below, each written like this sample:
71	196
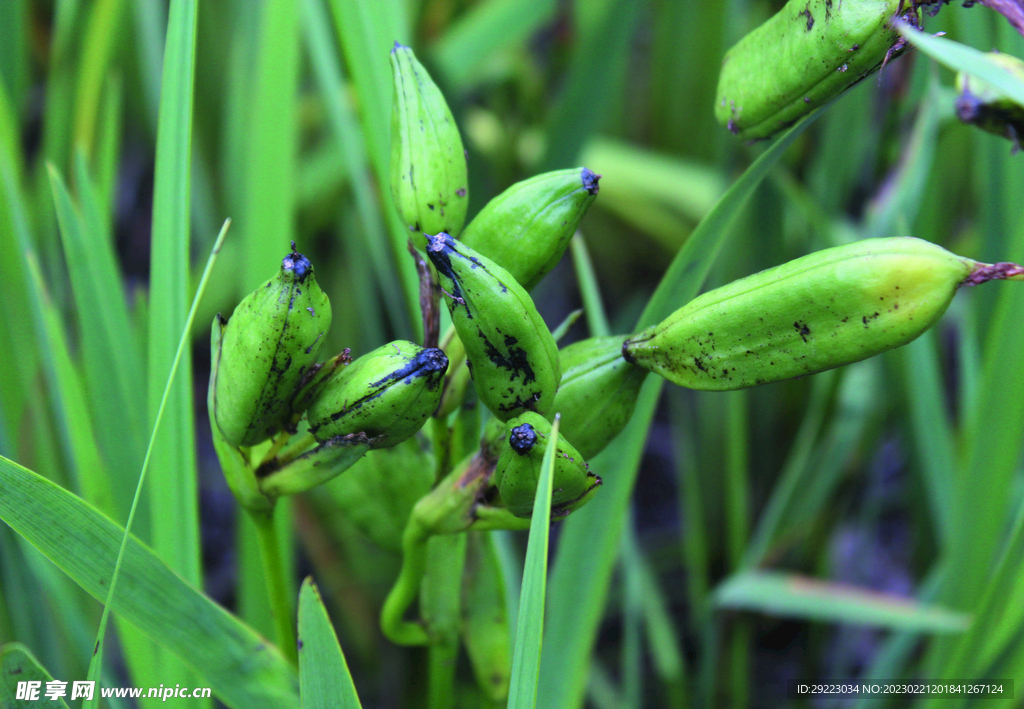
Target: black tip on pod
298	264
523	439
590	180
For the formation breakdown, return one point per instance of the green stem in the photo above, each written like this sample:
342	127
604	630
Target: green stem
277	583
442	434
403	593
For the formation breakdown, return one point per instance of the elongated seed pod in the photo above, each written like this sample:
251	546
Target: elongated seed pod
981	104
527	228
597	393
518	469
387	394
824	310
512	355
428	162
272	338
806	54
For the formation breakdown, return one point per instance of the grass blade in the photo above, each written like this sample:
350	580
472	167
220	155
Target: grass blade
173	494
100	35
485	30
793	596
323	673
17	665
243	670
526	652
150	451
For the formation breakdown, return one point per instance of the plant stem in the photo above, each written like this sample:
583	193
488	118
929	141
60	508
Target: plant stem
403	593
277	584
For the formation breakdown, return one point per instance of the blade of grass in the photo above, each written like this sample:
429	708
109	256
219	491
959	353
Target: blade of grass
14	57
323	673
587	549
228	656
366	34
267	223
97	656
596	73
526	652
441	609
173	494
108	149
483	31
589	290
353	148
18	665
689	268
793	596
960	57
100	39
113	366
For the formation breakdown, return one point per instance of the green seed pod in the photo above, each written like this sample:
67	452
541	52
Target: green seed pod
428	162
518	469
527	228
597	394
821	311
805	55
983	105
271	340
513	357
387	394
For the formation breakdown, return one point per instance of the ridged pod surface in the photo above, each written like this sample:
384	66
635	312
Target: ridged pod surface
513	357
803	56
271	339
981	104
824	310
518	469
428	163
527	228
387	394
597	394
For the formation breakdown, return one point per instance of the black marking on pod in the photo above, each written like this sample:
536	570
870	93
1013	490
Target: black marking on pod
298	264
590	180
522	439
440	248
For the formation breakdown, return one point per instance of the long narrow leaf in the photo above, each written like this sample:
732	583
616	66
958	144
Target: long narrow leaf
323	673
526	652
243	670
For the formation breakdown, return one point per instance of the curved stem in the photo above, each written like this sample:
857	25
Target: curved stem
403	593
277	583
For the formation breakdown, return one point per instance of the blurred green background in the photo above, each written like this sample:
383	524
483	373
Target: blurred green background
898	477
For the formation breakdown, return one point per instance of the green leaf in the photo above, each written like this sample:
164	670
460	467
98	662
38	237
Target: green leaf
485	30
17	664
960	57
690	267
794	596
113	364
101	33
241	667
267	222
173	492
323	673
530	625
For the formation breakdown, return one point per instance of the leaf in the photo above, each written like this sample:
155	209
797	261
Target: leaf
243	670
485	30
17	665
794	596
323	673
530	625
960	57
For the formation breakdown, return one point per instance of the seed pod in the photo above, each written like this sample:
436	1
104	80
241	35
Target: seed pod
527	228
428	163
597	394
272	338
518	469
821	311
981	104
806	54
513	357
387	394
